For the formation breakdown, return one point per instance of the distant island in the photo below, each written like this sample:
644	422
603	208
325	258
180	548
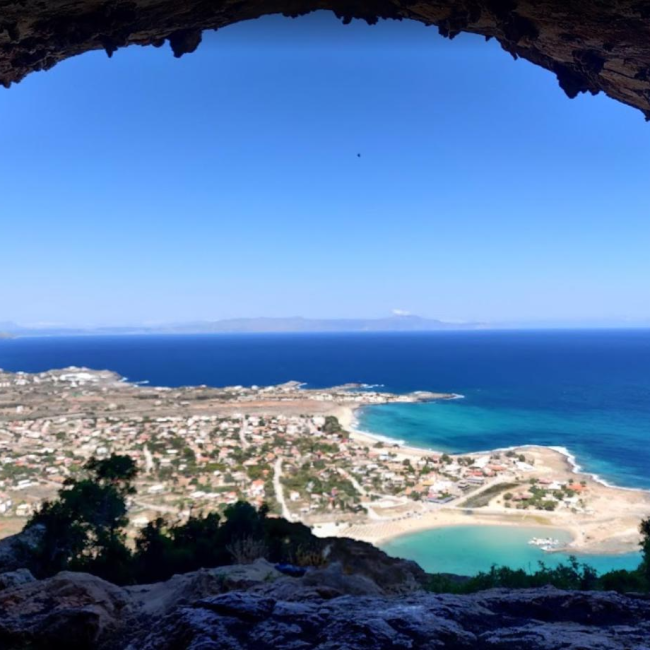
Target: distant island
397	322
296	324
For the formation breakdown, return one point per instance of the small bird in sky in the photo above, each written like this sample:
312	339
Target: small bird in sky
358	155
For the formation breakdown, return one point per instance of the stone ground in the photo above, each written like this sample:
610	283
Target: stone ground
254	607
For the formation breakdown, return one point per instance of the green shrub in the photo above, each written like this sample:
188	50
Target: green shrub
84	530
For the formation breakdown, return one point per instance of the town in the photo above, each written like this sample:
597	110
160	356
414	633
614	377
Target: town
200	449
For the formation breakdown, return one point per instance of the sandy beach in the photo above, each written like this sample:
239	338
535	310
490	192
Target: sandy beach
609	527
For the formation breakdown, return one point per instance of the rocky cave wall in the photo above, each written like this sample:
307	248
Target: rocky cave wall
590	45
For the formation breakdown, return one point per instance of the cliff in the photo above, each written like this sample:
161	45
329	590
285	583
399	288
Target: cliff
255	607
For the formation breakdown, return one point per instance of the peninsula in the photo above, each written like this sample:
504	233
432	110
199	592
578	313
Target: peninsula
294	448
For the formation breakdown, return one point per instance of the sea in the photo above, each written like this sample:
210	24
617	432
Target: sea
587	392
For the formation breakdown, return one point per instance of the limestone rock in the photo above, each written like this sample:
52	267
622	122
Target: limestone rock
392	575
15	549
253	607
496	620
329	582
159	598
71	610
15	578
590	46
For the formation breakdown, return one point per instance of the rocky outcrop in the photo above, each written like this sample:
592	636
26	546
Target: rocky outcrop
71	610
15	551
254	607
160	598
328	582
392	575
591	46
543	619
15	578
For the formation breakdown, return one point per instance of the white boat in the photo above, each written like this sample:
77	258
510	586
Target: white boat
545	543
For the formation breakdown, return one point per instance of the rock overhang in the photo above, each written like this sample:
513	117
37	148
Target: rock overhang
591	46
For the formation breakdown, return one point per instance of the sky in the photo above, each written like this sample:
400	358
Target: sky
303	167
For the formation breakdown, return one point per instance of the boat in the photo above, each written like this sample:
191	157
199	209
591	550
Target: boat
545	543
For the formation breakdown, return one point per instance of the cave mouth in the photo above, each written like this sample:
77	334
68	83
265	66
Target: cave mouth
590	47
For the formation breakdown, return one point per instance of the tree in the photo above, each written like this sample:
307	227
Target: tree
332	425
117	470
644	528
84	528
153	547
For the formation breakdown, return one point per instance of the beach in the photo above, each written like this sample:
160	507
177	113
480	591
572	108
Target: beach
609	527
394	499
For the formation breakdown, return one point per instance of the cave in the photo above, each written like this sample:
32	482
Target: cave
590	46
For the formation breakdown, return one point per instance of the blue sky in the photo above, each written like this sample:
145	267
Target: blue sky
227	183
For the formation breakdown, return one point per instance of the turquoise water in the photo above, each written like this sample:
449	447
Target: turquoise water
466	550
606	441
587	391
601	417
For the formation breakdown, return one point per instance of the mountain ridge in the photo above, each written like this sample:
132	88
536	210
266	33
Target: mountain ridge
259	325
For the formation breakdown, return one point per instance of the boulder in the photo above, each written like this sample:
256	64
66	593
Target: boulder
15	550
391	574
15	578
159	598
75	611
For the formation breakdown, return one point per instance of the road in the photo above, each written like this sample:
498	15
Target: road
148	460
243	430
357	486
279	490
168	510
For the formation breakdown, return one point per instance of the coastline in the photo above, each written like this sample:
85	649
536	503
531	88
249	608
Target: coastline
494	488
620	508
349	420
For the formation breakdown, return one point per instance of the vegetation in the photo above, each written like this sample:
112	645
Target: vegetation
569	575
332	425
482	499
85	530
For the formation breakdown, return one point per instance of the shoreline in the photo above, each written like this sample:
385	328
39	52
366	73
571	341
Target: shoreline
352	423
590	535
493	487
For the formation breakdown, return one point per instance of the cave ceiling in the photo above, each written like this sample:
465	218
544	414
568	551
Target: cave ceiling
591	46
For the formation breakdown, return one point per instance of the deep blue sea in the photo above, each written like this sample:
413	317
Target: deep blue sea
587	391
